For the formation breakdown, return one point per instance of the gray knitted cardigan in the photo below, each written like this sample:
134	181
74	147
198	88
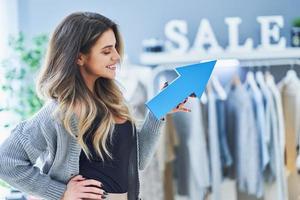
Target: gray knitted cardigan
43	137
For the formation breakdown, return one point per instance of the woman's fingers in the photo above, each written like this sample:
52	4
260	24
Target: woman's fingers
78	178
179	105
81	188
93	190
184	101
164	85
193	95
91	182
185	109
182	109
91	196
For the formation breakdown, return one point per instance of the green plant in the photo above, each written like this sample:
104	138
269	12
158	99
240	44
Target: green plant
20	71
296	22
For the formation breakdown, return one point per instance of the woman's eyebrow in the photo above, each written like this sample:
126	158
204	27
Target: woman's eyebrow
107	46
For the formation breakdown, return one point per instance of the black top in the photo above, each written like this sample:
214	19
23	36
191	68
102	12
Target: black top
112	173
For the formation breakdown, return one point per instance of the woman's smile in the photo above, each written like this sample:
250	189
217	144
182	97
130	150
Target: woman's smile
111	67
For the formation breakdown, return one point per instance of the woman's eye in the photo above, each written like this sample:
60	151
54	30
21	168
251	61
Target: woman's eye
106	53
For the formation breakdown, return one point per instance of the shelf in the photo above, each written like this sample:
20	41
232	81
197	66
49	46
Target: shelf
190	57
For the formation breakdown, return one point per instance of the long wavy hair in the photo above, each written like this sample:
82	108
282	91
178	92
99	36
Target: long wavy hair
60	79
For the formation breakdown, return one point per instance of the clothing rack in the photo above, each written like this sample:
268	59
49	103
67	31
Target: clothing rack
288	62
226	63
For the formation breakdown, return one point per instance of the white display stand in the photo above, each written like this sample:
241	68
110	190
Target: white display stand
153	59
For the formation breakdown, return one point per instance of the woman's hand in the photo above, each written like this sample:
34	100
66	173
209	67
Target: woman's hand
79	188
180	107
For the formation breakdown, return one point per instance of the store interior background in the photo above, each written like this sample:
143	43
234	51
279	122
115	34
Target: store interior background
144	19
139	20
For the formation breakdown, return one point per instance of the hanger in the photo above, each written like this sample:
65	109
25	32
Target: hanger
204	98
267	74
268	67
270	79
251	81
218	88
291	74
260	78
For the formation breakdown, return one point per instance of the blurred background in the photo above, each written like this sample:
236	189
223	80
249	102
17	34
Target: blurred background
241	140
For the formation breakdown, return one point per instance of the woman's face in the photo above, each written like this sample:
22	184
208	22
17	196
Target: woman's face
102	59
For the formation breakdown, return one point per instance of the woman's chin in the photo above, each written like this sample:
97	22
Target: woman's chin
110	76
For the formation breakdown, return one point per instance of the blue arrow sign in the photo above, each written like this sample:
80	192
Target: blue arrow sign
192	78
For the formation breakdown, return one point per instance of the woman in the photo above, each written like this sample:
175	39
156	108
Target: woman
84	135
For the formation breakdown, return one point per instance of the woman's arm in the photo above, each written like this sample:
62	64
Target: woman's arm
148	137
18	154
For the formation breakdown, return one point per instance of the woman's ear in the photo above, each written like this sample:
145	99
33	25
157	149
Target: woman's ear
81	59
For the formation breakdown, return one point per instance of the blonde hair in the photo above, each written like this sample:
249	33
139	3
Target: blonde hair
60	79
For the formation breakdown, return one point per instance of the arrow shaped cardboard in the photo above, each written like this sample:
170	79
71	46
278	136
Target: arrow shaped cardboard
192	79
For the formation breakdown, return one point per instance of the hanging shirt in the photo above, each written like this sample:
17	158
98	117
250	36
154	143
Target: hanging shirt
243	140
214	144
226	158
264	158
192	159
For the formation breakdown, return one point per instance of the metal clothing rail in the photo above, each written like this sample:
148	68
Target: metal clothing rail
271	62
196	56
225	63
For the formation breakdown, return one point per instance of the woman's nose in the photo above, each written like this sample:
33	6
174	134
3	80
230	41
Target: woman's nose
116	56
